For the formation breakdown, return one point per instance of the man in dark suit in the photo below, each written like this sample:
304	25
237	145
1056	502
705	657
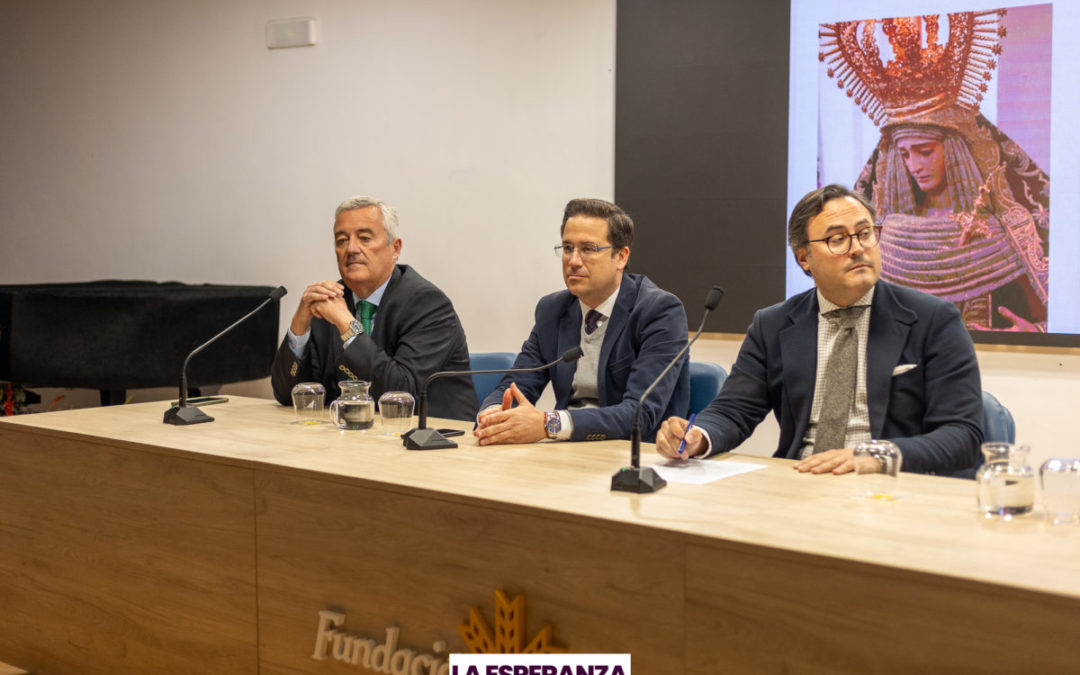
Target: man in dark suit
627	327
908	375
405	329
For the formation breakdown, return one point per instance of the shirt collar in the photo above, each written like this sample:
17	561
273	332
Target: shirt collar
826	306
605	308
376	297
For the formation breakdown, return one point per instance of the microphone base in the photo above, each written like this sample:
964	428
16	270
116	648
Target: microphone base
186	415
426	439
641	480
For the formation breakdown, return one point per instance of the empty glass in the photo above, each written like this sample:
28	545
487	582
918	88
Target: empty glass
1005	483
1060	478
308	399
878	457
877	464
396	409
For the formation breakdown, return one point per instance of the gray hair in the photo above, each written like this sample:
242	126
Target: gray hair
389	215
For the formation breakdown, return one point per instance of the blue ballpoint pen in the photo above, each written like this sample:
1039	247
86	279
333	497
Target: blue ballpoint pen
689	426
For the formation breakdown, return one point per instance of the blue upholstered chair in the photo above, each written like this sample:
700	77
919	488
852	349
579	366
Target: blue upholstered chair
706	378
485	384
998	426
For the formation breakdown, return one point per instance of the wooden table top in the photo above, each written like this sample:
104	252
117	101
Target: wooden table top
933	526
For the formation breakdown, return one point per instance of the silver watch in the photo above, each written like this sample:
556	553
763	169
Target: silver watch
355	328
552	424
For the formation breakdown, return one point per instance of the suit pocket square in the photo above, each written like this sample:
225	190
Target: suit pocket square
903	368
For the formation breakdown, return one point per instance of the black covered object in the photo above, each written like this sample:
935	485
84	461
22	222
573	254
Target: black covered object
115	335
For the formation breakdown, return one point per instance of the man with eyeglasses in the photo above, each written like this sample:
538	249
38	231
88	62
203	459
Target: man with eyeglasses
627	327
852	360
381	322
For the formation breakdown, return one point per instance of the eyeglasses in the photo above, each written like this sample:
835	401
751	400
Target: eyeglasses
585	250
840	243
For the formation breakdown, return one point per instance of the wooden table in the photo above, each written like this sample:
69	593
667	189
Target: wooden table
129	546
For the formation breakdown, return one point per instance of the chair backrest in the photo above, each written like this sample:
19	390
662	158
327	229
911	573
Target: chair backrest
706	378
998	422
998	427
485	384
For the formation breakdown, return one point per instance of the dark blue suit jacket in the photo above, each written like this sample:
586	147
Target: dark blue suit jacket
646	330
932	411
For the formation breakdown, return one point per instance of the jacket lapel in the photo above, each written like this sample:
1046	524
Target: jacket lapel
569	336
620	317
379	332
890	324
798	355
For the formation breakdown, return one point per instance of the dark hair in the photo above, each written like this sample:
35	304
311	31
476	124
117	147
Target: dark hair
619	225
813	204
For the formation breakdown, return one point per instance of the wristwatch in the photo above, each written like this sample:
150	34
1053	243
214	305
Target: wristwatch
552	424
355	328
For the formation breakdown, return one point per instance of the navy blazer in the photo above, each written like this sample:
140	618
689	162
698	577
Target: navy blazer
416	333
647	328
933	411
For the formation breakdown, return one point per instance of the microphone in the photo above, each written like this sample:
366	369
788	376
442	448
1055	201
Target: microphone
183	414
422	438
633	478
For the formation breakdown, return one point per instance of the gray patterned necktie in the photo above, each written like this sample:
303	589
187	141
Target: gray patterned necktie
839	381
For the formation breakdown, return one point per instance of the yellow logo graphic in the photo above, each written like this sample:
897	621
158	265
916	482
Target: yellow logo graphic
509	634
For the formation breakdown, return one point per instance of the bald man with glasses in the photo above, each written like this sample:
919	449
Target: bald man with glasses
627	327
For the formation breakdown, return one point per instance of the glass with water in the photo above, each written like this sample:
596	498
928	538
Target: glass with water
354	410
1005	483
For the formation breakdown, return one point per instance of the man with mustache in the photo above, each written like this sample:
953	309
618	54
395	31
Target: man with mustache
853	359
381	322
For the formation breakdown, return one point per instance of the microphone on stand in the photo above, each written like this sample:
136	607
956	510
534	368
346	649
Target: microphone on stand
422	438
183	414
633	478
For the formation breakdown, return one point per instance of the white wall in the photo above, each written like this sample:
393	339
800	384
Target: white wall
162	140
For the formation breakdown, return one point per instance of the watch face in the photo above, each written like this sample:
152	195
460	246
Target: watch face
553	424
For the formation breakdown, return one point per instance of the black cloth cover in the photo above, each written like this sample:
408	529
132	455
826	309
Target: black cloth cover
132	334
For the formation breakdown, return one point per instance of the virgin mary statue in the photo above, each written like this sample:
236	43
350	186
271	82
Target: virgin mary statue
964	210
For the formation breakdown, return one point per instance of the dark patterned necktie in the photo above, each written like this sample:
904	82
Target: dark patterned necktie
592	320
839	381
367	310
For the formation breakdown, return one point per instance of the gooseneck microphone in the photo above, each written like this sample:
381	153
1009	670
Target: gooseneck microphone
183	414
422	438
633	478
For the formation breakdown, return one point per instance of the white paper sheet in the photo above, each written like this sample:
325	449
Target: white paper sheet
701	471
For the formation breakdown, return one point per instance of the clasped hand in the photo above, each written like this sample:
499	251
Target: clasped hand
323	300
510	423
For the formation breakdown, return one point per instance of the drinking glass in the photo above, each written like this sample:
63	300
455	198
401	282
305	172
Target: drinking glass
396	409
1060	477
308	399
1005	483
877	465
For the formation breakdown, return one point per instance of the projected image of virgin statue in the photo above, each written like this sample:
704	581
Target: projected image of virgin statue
964	210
